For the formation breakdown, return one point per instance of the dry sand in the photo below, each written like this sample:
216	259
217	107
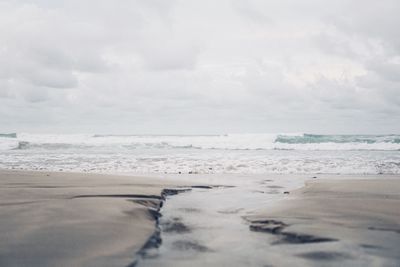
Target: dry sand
67	219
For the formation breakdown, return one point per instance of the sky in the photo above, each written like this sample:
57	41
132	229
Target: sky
200	67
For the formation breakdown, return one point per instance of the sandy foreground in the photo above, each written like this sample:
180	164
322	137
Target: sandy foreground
346	222
70	219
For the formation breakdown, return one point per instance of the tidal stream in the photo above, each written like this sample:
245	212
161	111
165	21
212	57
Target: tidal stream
205	227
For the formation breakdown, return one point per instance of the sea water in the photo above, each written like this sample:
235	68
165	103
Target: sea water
231	153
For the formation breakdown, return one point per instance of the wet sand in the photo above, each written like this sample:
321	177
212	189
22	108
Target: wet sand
336	222
64	219
70	219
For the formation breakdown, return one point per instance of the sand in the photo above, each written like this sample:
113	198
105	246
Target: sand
69	219
337	222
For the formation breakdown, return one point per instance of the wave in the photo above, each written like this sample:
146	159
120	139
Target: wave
25	145
306	162
8	135
339	139
231	153
248	142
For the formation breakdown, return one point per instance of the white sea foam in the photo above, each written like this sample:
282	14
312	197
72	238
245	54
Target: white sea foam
233	153
227	142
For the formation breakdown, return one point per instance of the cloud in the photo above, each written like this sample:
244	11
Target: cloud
199	66
169	55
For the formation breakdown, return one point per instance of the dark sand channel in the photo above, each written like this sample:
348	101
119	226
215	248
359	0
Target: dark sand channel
204	227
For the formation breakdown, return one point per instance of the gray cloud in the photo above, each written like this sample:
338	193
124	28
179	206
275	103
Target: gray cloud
199	66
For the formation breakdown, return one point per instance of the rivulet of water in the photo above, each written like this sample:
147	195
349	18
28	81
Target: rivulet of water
207	227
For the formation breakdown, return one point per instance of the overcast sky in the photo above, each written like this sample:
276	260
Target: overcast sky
186	67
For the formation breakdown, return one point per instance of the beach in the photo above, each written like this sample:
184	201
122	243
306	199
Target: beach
342	221
199	133
74	219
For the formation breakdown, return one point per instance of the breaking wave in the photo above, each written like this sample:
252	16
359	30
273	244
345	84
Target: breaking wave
219	142
338	139
231	153
8	135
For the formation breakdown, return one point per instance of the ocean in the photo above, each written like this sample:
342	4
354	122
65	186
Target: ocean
296	153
